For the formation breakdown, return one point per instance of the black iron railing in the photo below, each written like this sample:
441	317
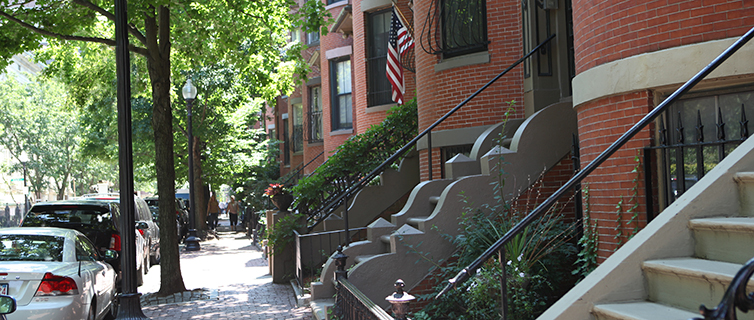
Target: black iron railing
735	297
687	156
498	246
348	186
296	174
313	249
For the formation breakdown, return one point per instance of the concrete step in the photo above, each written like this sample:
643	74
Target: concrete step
729	239
687	283
640	310
319	308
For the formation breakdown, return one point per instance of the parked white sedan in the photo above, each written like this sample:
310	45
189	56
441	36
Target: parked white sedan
55	273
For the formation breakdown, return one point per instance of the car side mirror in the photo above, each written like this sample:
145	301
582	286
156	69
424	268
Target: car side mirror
7	304
141	225
109	255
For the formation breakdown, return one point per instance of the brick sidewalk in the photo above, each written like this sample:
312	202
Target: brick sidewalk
235	270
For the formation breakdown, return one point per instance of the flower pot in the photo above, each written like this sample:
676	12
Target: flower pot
282	201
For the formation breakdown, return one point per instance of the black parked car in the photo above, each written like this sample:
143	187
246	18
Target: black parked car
99	220
181	214
142	215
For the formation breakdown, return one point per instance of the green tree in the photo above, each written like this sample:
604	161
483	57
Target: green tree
40	130
251	35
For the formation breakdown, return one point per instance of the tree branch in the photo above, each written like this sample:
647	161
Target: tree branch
109	42
131	28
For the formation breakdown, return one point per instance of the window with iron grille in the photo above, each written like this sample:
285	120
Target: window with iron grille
297	138
315	114
464	27
694	135
342	113
378	86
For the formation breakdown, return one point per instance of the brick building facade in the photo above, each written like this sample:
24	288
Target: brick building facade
614	61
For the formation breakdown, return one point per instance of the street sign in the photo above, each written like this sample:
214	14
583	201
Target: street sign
17	180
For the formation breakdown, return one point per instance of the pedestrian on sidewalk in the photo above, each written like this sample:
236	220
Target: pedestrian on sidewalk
213	212
233	212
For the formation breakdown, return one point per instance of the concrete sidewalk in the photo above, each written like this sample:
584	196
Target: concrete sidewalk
234	280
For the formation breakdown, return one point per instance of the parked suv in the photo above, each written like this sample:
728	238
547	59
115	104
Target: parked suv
142	215
99	220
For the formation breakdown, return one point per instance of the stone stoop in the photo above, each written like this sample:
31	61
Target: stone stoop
684	258
403	247
676	287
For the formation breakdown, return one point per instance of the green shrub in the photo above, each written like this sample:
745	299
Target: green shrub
538	264
358	156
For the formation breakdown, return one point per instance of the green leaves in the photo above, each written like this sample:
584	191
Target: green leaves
350	161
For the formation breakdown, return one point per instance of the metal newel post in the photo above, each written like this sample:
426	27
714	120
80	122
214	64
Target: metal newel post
400	300
340	264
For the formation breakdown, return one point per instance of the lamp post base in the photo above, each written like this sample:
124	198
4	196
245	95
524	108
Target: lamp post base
192	241
130	307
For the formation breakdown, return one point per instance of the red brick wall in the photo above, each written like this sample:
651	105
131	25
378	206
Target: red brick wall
620	178
366	120
606	31
328	42
438	92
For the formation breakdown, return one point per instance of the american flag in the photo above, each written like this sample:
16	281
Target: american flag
398	44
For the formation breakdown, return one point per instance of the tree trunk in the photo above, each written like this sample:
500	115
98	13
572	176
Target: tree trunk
199	198
158	64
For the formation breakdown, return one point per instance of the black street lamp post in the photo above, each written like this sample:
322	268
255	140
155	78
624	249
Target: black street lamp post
129	301
26	190
192	242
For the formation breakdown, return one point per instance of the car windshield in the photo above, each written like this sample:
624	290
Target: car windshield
72	218
31	248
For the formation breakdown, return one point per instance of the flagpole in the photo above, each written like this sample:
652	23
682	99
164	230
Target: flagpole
402	17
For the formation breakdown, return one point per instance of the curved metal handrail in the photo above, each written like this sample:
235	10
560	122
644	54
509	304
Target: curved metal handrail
364	180
735	297
467	272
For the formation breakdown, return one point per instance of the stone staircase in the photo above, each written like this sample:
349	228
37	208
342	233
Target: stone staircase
685	257
414	239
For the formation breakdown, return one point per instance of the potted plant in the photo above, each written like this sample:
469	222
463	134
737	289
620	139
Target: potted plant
279	196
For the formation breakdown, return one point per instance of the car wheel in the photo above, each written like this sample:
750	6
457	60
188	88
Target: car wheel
140	276
92	312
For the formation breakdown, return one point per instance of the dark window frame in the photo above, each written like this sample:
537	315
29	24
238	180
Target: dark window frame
379	90
297	123
314	115
335	106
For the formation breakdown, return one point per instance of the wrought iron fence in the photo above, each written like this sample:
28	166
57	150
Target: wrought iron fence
684	158
352	304
313	250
